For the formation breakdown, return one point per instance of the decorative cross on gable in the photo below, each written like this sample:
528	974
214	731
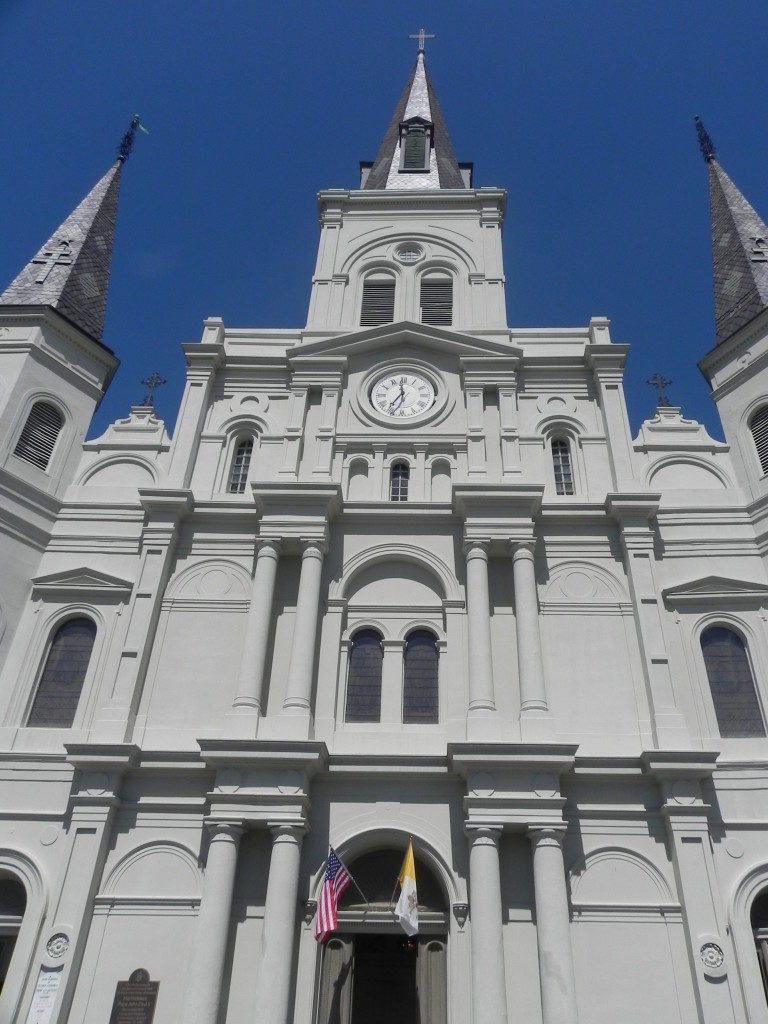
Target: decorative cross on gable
155	381
59	256
659	382
421	36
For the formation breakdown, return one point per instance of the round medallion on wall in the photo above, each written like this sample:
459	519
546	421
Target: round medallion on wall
402	394
712	955
57	945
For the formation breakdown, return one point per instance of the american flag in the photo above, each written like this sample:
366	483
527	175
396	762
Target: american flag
337	878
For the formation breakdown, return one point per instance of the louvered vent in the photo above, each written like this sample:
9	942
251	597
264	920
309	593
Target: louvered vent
759	428
378	302
415	151
38	438
437	301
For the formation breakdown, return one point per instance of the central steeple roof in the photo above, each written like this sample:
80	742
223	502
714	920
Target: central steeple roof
417	117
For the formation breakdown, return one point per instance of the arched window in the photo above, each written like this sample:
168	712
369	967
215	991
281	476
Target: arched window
398	481
730	680
561	462
62	678
759	428
420	678
436	300
240	466
378	300
38	436
364	677
13	903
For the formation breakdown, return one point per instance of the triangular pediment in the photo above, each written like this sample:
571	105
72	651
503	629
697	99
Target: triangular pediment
81	582
717	590
404	332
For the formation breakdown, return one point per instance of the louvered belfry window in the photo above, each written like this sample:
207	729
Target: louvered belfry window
398	481
420	678
364	678
759	428
730	680
63	675
38	437
561	460
437	301
415	150
378	301
240	466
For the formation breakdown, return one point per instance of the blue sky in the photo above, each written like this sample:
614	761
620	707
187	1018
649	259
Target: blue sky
583	111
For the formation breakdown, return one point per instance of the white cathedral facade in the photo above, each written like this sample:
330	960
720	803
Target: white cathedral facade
402	572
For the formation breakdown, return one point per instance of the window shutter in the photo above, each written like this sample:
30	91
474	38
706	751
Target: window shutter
561	459
62	678
378	302
420	678
240	465
414	151
437	301
759	428
38	438
364	680
731	683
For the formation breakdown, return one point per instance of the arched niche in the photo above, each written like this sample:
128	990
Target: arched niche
675	474
358	486
398	583
156	870
614	876
443	579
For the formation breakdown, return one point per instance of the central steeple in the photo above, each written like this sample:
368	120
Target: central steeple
416	151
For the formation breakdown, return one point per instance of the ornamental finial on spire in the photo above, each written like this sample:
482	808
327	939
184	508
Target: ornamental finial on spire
126	143
421	35
706	145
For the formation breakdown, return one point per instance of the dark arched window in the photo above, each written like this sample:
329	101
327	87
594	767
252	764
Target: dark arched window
759	920
731	683
61	682
364	677
378	305
561	461
13	903
240	466
759	427
398	481
420	678
38	436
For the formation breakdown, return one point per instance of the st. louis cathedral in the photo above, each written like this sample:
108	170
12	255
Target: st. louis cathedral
401	572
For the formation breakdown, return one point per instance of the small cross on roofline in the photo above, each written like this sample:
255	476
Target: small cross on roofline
659	382
155	381
421	36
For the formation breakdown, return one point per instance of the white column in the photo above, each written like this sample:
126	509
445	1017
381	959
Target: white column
481	699
250	684
533	697
489	989
275	965
299	687
553	927
203	993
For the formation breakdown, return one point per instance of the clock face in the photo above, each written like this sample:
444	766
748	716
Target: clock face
402	395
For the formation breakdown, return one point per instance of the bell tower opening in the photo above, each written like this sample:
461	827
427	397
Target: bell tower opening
370	971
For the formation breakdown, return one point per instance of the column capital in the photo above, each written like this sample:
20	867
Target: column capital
547	835
483	835
522	549
313	548
287	831
270	547
232	830
476	549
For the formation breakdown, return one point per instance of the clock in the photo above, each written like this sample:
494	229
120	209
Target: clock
402	395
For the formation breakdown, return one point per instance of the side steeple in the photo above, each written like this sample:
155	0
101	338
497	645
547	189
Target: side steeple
739	249
71	271
416	151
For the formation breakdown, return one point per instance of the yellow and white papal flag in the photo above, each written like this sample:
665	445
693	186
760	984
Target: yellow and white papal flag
407	909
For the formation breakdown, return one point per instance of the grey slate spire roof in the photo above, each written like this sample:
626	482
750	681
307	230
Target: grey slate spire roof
418	100
71	271
739	250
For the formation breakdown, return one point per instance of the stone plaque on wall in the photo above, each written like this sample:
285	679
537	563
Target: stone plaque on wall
135	999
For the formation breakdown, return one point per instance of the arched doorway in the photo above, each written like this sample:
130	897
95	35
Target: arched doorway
371	972
13	903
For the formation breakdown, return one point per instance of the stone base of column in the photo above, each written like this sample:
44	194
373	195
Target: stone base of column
537	727
111	726
671	730
290	725
483	726
242	723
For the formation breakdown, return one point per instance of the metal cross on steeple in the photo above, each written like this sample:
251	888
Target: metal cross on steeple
659	382
52	257
155	381
421	36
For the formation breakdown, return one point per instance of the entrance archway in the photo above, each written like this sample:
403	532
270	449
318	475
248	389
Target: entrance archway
371	972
